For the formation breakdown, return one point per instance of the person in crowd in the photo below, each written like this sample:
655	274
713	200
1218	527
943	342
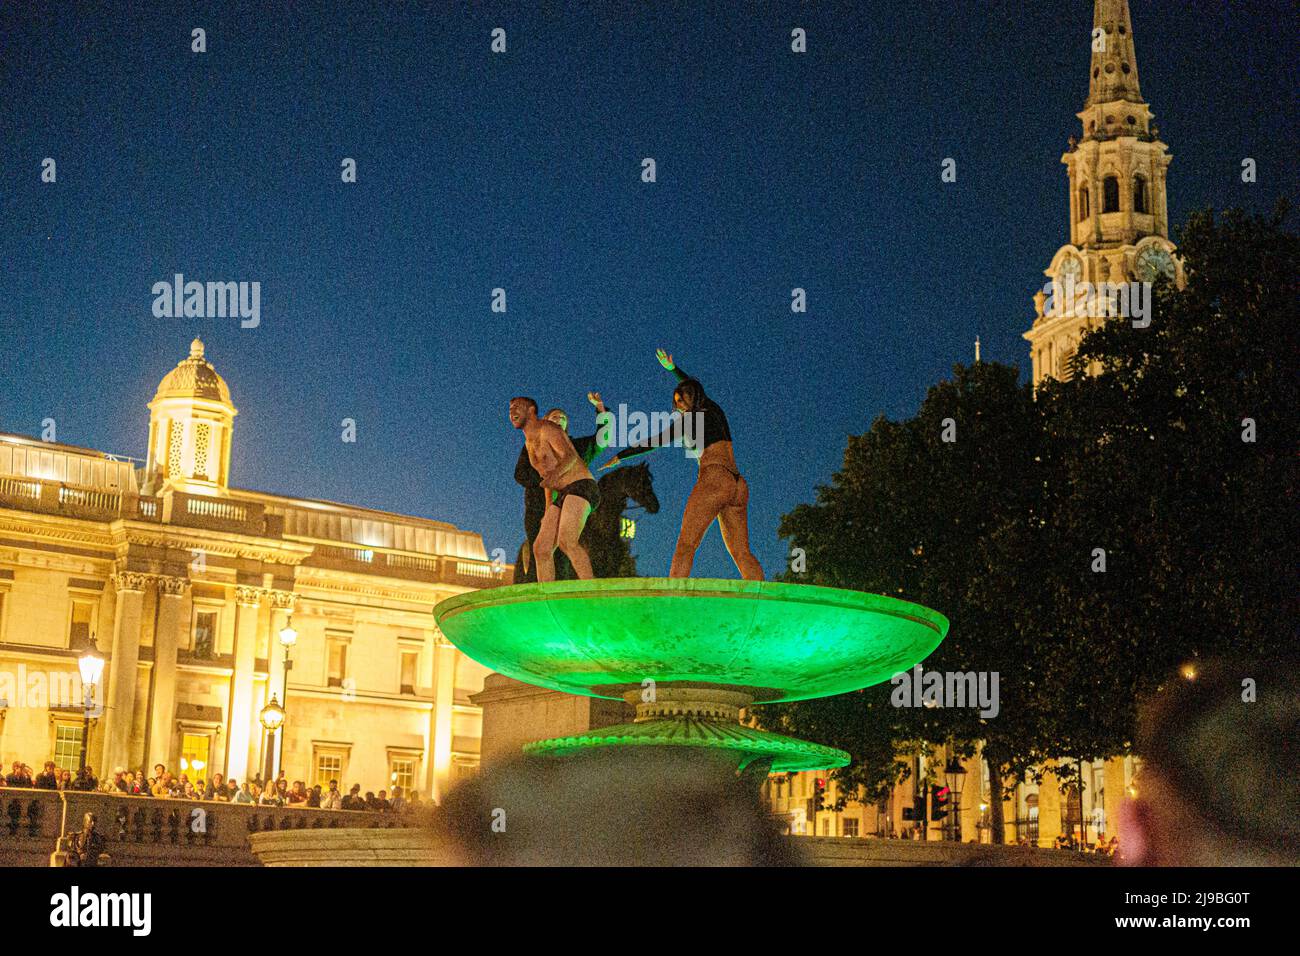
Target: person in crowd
1220	783
86	780
244	794
119	780
162	784
331	799
414	800
65	780
381	802
313	797
189	793
270	797
398	803
354	800
297	795
19	776
85	847
48	778
216	789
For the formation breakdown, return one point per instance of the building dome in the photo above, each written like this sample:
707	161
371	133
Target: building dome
191	423
194	377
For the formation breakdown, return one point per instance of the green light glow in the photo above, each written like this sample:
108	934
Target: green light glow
745	743
602	637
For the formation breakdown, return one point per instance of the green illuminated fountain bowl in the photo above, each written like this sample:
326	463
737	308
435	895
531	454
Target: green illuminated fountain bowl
691	652
604	637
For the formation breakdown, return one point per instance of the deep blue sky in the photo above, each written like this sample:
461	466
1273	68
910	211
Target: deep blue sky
522	171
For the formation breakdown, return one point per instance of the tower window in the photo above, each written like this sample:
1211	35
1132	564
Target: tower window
1125	67
1084	211
1110	195
1139	194
1096	73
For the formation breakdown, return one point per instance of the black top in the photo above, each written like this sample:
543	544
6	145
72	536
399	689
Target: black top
716	428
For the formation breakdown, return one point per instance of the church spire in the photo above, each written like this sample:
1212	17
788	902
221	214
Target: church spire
1114	72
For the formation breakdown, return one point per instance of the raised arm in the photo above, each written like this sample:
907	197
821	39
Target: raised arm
666	361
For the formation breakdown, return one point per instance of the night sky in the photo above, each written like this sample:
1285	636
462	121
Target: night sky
522	171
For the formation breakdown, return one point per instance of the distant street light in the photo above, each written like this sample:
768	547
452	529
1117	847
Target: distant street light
91	666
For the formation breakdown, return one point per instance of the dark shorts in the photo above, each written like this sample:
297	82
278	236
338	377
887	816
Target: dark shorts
585	488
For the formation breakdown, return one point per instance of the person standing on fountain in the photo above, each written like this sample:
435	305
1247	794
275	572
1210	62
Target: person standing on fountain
535	499
588	446
720	491
562	470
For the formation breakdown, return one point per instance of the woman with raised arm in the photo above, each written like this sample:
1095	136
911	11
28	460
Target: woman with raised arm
720	491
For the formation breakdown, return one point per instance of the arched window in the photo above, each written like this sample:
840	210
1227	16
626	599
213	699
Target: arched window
1110	194
1084	211
1139	194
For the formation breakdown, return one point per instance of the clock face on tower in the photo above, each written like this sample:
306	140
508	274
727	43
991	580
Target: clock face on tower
1153	263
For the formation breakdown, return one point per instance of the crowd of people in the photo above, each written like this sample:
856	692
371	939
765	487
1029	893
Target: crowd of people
164	784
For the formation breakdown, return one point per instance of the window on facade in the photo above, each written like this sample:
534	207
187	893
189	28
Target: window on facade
1139	194
328	766
338	663
850	826
410	664
81	625
1110	188
401	773
1084	210
67	746
205	633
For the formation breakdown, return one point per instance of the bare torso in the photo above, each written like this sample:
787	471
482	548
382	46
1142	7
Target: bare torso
552	453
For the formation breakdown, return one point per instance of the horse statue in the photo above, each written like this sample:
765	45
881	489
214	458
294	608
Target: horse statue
611	555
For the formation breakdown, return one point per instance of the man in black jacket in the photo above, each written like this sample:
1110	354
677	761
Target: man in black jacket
48	779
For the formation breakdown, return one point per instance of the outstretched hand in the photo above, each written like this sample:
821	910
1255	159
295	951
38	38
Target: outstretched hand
665	359
594	398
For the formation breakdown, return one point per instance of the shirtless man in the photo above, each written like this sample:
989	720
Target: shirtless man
553	455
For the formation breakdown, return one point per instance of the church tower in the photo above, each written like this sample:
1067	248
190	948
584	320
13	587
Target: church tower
1119	219
191	421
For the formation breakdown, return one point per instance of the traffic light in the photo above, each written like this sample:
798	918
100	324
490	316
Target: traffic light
940	797
819	794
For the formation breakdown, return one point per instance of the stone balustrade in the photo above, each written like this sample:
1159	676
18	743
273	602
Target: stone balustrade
148	831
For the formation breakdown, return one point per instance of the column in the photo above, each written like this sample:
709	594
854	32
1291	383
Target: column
281	607
125	656
171	598
444	693
239	717
1113	780
1049	808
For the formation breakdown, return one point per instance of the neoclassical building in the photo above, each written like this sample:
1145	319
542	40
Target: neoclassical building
184	583
1118	210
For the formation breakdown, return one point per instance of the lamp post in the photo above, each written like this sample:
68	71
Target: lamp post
272	718
91	666
288	638
956	775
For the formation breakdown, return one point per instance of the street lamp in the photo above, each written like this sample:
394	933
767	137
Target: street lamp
956	774
288	638
272	718
91	666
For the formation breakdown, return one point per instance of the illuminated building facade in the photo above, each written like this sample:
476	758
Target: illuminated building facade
185	585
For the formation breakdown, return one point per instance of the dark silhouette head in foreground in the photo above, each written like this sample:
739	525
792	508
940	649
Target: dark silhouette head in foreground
1220	777
609	807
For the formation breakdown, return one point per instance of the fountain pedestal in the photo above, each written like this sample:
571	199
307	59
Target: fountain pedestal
690	655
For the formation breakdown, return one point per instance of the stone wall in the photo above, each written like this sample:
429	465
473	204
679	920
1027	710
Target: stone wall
143	831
